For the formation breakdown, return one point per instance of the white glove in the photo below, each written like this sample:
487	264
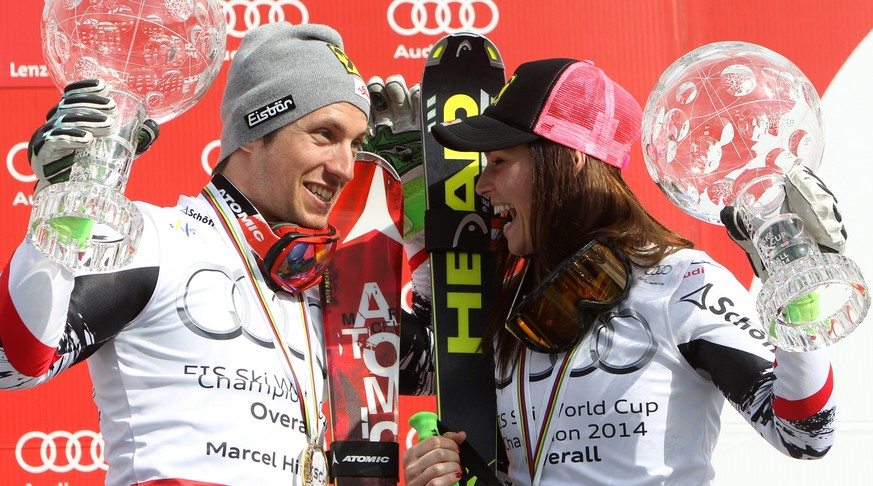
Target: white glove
808	198
395	106
816	205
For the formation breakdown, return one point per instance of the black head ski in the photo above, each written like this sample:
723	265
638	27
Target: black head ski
463	73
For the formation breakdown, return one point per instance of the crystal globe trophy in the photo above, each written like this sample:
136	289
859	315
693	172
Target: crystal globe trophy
722	126
158	57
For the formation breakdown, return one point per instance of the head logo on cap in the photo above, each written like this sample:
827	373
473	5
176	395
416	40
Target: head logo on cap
497	98
343	58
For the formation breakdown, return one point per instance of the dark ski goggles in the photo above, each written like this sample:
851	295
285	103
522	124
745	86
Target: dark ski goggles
548	319
297	258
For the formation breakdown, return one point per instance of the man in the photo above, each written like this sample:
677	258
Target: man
206	350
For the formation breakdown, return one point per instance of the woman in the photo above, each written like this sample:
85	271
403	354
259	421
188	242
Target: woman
615	342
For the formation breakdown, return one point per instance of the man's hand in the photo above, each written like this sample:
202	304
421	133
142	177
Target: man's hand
395	135
84	113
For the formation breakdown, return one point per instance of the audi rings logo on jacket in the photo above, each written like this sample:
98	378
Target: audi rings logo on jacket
659	270
60	451
619	343
245	15
438	17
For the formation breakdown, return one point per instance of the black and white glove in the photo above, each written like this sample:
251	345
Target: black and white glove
395	135
84	113
807	197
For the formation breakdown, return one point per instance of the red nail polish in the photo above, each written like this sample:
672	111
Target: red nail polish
458	475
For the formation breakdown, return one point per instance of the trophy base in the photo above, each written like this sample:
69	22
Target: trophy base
813	302
85	226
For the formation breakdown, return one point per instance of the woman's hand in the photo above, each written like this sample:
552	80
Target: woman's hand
434	461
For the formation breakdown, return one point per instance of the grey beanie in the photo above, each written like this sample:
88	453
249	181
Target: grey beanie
283	72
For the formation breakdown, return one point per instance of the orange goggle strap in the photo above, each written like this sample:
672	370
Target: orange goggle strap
526	329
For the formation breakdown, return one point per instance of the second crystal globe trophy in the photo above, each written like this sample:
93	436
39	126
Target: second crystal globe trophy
723	126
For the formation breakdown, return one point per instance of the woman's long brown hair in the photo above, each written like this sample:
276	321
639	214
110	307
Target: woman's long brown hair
569	209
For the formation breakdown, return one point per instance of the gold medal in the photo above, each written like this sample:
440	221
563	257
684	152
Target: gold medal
314	467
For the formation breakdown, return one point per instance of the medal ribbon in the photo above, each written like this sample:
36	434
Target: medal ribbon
228	221
534	450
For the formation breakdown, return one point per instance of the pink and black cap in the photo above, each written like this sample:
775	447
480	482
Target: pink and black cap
569	102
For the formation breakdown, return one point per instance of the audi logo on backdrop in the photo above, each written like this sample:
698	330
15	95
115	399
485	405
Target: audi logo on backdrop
245	15
60	451
209	155
439	17
19	150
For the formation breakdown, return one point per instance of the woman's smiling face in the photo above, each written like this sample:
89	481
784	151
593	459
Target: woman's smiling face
507	181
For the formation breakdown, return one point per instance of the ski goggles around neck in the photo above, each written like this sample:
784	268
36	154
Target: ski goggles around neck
297	258
548	319
294	258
